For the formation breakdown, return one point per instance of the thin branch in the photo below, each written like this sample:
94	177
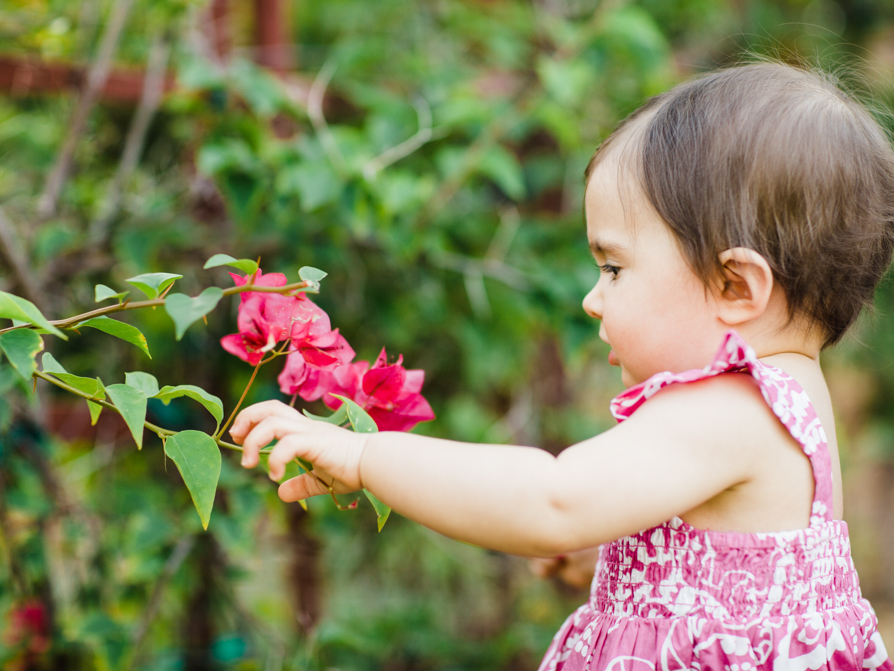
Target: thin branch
408	146
223	428
150	99
18	262
136	305
502	240
493	268
96	78
157	430
318	120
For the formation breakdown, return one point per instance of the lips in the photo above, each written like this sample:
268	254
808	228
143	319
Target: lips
613	359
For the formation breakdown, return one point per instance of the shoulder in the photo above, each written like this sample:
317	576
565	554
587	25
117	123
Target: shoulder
724	412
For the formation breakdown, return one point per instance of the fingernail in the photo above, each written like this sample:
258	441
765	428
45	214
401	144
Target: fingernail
244	461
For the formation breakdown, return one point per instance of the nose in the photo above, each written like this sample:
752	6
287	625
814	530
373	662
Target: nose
593	302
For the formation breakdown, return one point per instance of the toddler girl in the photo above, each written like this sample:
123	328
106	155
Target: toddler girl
740	222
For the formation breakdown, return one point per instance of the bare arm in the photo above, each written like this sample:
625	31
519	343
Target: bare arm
675	453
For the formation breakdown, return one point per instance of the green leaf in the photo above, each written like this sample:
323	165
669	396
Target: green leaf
198	460
185	310
338	417
13	307
21	347
145	382
504	169
86	385
92	386
103	293
568	81
382	511
131	403
118	329
152	284
210	401
309	274
247	266
316	184
50	365
8	379
361	422
95	409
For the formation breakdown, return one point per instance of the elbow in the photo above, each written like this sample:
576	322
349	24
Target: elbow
558	532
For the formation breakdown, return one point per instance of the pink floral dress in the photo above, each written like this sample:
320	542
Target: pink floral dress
677	597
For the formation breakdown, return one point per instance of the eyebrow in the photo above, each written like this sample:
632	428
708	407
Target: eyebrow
602	247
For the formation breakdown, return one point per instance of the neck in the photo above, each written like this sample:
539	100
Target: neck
792	339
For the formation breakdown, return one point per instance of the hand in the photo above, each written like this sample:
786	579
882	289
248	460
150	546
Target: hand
575	568
334	452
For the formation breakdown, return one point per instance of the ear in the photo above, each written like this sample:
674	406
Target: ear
746	286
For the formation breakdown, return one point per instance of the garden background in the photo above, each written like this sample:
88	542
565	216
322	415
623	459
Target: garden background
427	155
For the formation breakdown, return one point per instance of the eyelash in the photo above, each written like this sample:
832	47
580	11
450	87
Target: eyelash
607	268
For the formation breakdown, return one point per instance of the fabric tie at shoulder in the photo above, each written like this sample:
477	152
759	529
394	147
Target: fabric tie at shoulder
734	353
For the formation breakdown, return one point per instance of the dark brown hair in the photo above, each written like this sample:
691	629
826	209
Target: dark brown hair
779	160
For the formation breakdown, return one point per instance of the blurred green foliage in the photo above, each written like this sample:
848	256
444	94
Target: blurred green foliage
440	186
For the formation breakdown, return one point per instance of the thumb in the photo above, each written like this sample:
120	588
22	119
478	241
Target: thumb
301	487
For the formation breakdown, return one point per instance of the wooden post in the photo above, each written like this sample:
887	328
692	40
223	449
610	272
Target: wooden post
221	39
271	35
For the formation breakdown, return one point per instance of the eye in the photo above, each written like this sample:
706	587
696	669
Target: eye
608	268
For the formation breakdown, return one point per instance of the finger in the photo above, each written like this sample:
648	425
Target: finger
302	487
263	433
290	446
254	414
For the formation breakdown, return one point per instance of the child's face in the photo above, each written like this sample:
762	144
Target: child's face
654	311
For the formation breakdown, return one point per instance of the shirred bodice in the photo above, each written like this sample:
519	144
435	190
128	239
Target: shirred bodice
675	570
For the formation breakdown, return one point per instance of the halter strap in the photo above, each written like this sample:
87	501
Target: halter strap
786	398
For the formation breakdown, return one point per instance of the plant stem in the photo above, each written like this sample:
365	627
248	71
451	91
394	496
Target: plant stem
158	430
223	428
350	506
136	305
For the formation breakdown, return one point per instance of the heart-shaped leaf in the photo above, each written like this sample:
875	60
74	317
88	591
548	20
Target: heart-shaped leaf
102	293
360	421
382	511
210	401
185	310
247	266
50	365
198	460
13	307
131	403
145	382
95	410
86	385
363	423
118	329
338	417
21	347
152	284
309	274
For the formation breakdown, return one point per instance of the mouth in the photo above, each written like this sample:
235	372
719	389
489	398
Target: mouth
613	359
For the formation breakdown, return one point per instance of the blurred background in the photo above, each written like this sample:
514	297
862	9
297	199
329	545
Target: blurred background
429	156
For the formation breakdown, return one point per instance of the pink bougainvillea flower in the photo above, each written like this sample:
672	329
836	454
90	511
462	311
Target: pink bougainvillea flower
309	358
266	319
28	628
389	393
